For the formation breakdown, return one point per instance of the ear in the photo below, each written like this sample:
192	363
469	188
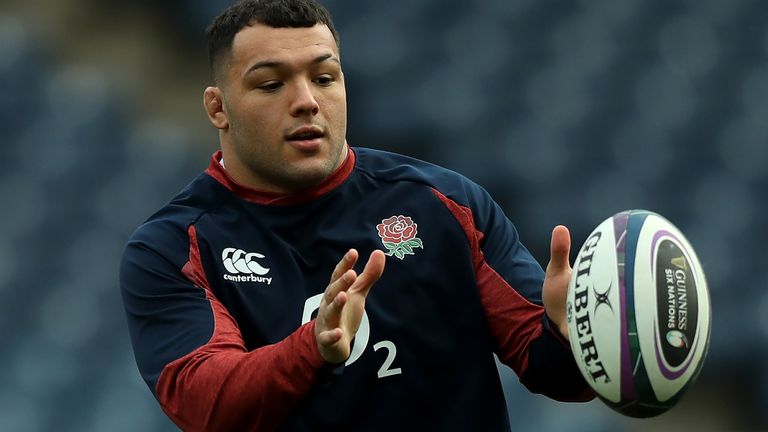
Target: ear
213	100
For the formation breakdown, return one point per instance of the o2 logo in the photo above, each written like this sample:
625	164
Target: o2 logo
360	342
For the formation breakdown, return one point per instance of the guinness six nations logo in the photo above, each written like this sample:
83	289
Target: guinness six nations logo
398	234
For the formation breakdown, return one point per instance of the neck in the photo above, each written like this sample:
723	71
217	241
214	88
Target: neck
248	177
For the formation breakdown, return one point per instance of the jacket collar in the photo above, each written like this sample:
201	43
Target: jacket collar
217	171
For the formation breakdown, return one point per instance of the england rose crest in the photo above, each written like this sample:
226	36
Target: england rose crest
398	234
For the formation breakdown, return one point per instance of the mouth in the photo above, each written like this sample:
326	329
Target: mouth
306	139
306	133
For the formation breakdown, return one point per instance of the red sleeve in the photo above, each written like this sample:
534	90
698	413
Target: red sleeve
519	327
221	386
512	319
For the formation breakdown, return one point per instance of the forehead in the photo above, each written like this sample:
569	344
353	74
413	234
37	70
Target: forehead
259	42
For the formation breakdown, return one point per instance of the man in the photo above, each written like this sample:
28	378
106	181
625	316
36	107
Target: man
222	285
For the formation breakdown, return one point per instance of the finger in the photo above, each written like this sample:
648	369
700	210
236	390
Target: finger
330	337
347	262
374	268
331	314
341	284
560	249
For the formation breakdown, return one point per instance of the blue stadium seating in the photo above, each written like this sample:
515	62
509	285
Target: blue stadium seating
566	111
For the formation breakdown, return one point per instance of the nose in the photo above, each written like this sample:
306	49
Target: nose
304	102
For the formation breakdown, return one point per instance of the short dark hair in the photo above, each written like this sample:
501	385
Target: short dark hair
273	13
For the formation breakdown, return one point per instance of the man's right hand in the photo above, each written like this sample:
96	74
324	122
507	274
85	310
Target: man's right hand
343	304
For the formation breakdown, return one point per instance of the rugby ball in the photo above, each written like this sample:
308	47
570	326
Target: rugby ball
638	313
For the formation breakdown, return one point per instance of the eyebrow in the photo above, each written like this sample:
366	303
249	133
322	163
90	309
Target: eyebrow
274	64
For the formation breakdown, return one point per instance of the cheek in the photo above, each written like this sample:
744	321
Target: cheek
336	106
254	120
343	104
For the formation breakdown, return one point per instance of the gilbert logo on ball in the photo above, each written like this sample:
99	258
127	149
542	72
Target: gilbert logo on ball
638	313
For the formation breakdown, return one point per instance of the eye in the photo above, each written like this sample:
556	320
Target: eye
324	80
270	87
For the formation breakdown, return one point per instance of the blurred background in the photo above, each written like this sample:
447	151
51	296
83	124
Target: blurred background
566	111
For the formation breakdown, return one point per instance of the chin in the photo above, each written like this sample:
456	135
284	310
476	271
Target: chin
307	171
306	177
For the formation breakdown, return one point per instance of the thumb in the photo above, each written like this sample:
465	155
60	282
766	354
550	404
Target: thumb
560	249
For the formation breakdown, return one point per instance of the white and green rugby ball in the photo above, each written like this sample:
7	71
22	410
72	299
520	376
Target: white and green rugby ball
638	313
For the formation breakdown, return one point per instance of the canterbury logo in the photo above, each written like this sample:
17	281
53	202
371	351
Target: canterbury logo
244	265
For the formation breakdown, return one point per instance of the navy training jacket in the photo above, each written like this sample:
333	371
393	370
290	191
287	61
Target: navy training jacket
220	287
